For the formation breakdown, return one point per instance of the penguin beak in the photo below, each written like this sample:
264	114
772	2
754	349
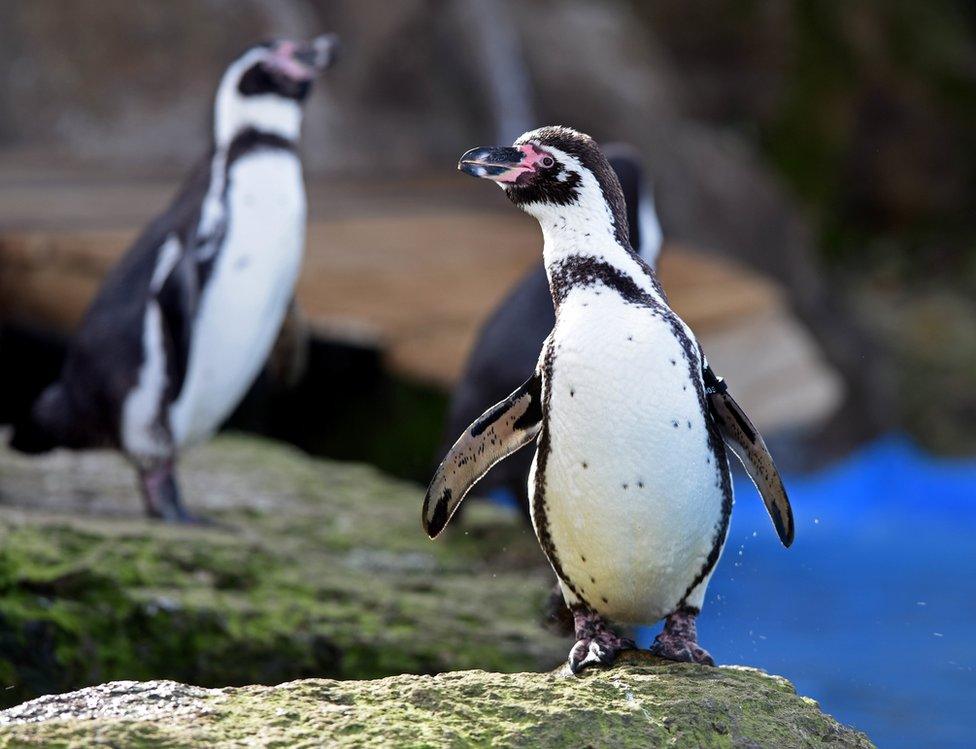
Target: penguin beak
323	53
303	61
502	164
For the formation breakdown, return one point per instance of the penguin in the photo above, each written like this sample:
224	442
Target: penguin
184	322
507	346
630	489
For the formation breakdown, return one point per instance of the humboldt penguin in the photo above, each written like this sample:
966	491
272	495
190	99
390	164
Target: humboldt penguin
630	490
507	347
183	324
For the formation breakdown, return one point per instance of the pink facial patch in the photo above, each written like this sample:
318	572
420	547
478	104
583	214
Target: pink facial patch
531	155
283	60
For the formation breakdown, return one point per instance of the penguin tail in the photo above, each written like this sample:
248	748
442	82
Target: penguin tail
48	424
557	617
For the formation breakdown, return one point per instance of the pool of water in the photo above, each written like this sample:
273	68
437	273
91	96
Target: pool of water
873	610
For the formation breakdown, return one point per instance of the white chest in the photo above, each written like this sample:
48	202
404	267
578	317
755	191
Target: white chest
632	495
247	295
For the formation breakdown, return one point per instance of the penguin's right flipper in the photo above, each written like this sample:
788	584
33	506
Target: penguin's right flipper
748	445
500	431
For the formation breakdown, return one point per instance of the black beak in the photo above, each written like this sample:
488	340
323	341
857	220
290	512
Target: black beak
320	53
498	163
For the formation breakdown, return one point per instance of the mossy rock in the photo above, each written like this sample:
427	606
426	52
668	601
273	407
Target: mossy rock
316	569
642	702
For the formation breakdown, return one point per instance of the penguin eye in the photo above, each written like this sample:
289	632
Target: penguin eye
547	162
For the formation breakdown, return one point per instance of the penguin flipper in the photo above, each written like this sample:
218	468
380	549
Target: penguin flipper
177	298
500	431
750	448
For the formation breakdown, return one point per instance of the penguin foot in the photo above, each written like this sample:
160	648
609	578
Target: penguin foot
161	495
596	643
679	640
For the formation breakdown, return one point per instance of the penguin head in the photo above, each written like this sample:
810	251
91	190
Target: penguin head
555	174
265	87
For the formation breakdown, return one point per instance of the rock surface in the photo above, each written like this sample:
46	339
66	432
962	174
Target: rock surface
315	569
643	702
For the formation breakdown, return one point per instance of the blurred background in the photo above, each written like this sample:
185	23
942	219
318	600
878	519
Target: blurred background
814	170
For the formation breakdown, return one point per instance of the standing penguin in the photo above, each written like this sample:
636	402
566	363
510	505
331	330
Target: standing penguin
507	347
183	324
630	487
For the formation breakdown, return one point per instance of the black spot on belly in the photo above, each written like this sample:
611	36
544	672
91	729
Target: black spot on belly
674	423
604	598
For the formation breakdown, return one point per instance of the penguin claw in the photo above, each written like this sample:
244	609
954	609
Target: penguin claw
684	651
600	650
596	644
679	640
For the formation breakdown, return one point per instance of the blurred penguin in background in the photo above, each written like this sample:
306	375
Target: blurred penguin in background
507	347
184	323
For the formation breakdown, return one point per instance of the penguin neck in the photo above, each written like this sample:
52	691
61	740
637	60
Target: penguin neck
581	244
235	113
581	231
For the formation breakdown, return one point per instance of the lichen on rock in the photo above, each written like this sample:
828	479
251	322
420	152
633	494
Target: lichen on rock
642	702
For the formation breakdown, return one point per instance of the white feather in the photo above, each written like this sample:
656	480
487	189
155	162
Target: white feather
143	438
247	296
168	256
630	483
651	236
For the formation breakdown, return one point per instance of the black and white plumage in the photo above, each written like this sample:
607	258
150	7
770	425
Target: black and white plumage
630	487
183	324
507	347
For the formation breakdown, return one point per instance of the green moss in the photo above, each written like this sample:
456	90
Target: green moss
317	569
644	702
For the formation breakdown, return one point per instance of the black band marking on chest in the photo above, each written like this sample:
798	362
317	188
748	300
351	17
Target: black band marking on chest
251	139
584	271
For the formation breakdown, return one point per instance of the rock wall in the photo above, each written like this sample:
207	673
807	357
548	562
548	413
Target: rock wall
314	568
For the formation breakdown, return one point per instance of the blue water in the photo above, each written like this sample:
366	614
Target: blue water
873	610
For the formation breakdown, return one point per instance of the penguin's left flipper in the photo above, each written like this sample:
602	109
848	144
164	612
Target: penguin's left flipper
500	431
748	445
177	298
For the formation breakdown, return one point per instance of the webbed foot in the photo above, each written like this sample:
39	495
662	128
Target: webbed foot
679	640
596	643
161	494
